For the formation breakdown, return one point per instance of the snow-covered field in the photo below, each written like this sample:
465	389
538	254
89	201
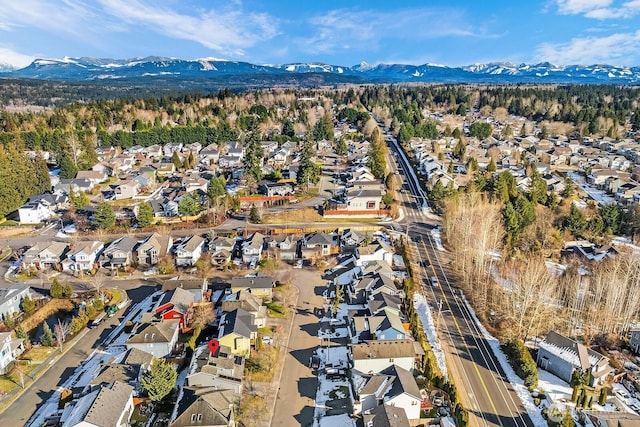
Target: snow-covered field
424	313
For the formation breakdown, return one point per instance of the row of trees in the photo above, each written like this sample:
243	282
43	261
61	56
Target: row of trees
20	177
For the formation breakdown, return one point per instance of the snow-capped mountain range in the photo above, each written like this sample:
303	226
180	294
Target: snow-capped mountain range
87	69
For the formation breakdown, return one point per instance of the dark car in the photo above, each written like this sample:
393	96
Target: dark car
314	363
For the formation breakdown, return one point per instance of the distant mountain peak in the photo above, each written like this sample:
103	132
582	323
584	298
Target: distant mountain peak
87	68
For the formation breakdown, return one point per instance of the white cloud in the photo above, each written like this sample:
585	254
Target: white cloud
343	29
599	9
575	7
11	57
225	30
69	16
615	49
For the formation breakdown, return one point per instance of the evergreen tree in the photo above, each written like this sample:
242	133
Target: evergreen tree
575	222
341	147
538	193
159	379
459	150
189	206
323	129
41	174
480	130
491	167
67	291
68	168
104	217
308	171
217	187
175	159
78	199
145	214
253	156
254	215
28	304
56	288
46	339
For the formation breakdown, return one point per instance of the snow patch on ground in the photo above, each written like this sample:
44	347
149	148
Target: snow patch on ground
555	389
424	313
518	384
435	233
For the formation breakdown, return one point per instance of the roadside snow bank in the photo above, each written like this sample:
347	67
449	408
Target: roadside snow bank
435	233
424	313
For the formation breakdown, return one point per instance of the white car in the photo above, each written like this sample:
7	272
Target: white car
266	339
434	281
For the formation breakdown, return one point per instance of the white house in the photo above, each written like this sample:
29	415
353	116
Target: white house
376	251
82	256
371	357
35	212
10	348
189	251
252	248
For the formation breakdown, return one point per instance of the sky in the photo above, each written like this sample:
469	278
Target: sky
451	32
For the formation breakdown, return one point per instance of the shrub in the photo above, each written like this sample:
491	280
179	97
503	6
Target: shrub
522	362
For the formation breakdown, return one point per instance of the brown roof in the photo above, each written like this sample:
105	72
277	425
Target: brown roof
387	349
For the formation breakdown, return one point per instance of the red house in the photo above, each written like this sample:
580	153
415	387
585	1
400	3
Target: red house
176	304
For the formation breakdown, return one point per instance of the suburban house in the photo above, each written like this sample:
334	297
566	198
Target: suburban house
189	251
82	256
259	286
10	349
386	416
44	255
562	356
317	245
371	357
375	251
126	190
197	287
252	248
176	304
272	189
94	176
284	247
634	341
156	337
220	242
385	325
165	169
222	370
11	298
103	406
119	253
363	290
35	212
250	303
393	387
152	249
237	331
351	239
220	257
204	406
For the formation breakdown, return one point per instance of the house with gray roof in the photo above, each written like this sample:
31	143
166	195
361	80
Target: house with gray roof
204	406
562	356
386	416
82	256
152	249
375	356
260	286
45	255
155	337
189	251
11	298
252	248
119	253
222	370
104	406
237	331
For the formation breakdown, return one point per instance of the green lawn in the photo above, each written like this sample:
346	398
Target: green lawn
276	309
38	354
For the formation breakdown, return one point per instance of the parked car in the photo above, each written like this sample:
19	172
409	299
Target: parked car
267	339
434	281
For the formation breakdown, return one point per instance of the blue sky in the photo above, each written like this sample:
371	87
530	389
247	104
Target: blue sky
452	32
